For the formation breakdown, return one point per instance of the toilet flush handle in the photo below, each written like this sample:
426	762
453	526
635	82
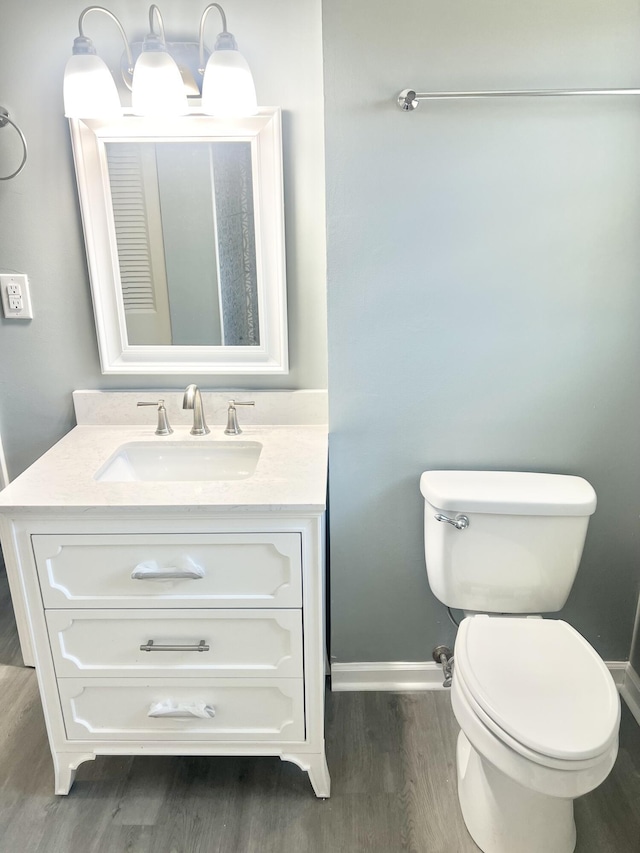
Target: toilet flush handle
460	522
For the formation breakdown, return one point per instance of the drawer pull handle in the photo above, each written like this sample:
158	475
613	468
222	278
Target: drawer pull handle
150	646
183	710
150	571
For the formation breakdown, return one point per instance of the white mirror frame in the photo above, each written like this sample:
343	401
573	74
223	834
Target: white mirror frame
264	133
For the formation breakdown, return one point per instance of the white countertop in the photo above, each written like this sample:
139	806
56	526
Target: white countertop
291	474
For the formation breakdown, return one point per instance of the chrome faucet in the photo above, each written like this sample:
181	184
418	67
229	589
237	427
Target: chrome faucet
193	400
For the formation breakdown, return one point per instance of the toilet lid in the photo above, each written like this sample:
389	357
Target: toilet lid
541	682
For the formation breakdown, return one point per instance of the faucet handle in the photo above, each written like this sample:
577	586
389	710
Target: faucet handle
232	416
164	427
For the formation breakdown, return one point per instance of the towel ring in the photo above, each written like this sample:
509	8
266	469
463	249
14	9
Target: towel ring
4	121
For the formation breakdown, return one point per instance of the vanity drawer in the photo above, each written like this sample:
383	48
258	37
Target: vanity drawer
119	709
206	570
241	643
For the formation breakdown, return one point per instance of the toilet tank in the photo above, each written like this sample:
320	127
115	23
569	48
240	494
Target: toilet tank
522	547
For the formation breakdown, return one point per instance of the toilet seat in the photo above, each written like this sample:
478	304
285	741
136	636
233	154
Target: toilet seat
539	687
505	738
550	777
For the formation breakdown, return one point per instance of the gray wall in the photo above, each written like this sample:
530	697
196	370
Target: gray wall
40	233
484	292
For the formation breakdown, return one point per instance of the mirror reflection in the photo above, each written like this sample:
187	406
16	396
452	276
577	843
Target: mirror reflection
186	240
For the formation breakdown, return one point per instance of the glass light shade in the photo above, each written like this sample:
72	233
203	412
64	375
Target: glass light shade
227	87
89	89
157	88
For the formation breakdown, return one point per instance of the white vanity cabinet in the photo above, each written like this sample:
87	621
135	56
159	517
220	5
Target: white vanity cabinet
175	632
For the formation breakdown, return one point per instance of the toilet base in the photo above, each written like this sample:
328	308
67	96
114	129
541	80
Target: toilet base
504	817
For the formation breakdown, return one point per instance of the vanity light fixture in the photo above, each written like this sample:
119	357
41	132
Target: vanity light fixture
160	79
157	88
89	89
227	84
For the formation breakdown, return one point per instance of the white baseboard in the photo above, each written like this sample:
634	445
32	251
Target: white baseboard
630	691
396	676
386	675
618	670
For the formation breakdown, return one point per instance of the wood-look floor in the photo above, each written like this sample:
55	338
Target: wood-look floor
393	786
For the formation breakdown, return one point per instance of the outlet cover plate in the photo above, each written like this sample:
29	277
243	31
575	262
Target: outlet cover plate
16	298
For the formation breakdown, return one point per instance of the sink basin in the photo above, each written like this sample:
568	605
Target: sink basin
150	461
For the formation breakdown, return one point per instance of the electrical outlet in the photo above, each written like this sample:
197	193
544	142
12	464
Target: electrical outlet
16	299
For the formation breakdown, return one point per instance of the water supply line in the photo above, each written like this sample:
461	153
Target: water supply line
444	656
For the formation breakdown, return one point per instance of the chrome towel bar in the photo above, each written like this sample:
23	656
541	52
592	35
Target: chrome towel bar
408	99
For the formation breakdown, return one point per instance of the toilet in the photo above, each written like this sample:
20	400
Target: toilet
538	710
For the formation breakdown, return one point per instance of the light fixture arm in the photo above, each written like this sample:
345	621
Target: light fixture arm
86	11
153	10
227	37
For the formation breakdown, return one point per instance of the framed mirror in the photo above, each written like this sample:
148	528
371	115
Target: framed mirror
184	229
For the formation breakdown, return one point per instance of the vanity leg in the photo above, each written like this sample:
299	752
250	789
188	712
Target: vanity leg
319	775
65	765
315	764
